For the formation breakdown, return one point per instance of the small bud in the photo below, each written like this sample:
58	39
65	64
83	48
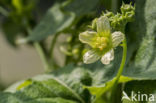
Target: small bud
75	51
127	8
128	11
108	14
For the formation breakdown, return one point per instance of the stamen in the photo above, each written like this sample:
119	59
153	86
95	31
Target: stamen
101	42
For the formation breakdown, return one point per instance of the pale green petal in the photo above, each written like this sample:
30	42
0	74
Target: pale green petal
88	37
103	24
108	57
90	57
117	38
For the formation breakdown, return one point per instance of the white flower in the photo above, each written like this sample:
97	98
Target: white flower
102	42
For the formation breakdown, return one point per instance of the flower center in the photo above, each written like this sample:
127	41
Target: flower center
102	42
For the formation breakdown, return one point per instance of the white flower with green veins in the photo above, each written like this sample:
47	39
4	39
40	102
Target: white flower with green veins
102	42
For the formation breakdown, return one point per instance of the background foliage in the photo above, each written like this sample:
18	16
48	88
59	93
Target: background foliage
76	83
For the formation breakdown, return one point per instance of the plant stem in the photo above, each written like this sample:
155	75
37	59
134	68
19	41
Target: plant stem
42	56
123	60
124	55
53	45
41	53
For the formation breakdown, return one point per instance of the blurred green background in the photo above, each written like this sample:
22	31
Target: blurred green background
23	62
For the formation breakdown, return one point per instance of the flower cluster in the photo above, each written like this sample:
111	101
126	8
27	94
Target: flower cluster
103	41
119	20
106	34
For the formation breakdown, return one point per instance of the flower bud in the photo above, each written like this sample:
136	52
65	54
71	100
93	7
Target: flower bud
108	14
128	11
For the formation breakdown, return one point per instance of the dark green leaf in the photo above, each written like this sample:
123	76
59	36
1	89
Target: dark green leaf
81	7
143	62
43	86
54	21
99	91
76	78
11	30
61	17
67	84
14	98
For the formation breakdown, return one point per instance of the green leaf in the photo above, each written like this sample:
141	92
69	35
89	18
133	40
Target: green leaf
143	63
99	91
60	17
55	100
11	30
24	84
91	79
66	83
54	21
82	7
141	87
47	86
76	78
14	98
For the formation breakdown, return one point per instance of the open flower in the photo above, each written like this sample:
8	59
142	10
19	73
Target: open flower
102	42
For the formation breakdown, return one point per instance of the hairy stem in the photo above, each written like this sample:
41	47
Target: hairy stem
124	55
123	60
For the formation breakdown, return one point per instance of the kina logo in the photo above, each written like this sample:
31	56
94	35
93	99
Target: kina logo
138	96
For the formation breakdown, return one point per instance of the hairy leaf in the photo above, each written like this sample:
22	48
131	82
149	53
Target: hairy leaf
14	98
11	30
99	91
40	87
81	7
60	17
143	63
54	21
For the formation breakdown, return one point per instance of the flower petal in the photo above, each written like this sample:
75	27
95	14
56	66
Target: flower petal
109	56
88	37
103	24
90	57
117	38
